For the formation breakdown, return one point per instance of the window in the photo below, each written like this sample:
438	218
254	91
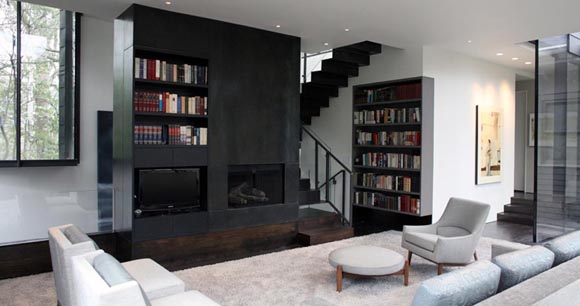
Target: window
39	105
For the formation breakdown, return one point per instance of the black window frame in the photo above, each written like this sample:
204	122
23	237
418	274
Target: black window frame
19	162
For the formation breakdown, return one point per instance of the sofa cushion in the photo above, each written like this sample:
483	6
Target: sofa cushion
520	265
537	287
422	240
188	298
467	286
565	247
75	235
113	273
155	280
501	247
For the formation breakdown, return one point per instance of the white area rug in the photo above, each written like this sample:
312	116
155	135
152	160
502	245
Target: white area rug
299	276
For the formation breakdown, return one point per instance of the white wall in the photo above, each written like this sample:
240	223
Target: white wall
461	83
528	86
29	203
334	125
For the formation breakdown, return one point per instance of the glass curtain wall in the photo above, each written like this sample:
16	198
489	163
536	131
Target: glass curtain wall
557	182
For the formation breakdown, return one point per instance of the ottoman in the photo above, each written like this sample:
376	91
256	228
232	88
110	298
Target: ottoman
368	261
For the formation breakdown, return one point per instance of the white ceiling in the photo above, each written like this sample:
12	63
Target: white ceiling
493	25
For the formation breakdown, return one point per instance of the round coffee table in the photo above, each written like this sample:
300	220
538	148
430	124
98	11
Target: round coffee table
369	261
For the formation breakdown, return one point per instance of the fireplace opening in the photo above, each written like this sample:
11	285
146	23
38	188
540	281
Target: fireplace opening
255	185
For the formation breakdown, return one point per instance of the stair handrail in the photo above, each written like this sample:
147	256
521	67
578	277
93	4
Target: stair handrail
328	178
325	146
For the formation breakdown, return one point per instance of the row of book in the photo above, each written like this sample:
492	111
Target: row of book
389	160
169	135
390	93
408	138
166	102
386	182
158	70
404	203
388	115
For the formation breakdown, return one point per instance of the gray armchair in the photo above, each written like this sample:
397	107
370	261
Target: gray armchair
453	239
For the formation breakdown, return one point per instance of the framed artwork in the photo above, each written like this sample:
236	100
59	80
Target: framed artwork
489	146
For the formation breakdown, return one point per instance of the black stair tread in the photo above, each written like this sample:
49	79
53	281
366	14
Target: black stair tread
515	215
328	78
338	67
314	101
367	46
319	89
304	184
310	112
351	56
306	120
308	197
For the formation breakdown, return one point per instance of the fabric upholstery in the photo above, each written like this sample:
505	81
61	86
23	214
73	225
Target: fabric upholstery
111	270
367	260
451	231
467	286
565	247
523	264
456	234
94	291
188	298
61	252
75	235
538	287
155	280
423	240
564	297
502	247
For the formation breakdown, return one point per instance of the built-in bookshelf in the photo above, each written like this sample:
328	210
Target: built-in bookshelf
387	147
170	100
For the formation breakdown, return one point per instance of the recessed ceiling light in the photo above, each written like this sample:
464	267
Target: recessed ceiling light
278	26
469	41
528	63
347	29
168	2
515	58
326	44
499	54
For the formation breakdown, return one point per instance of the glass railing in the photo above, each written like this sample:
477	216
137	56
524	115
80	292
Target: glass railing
27	216
310	62
557	139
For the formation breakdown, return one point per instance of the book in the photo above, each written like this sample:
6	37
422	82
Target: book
167	102
160	70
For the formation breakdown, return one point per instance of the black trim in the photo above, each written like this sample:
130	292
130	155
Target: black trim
536	125
18	78
77	88
476	143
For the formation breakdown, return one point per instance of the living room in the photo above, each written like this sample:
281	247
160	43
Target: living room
272	153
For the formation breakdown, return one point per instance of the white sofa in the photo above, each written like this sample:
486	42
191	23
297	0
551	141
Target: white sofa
93	290
155	280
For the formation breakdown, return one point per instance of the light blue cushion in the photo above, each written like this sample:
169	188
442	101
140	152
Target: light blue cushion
113	273
462	287
75	235
520	265
565	247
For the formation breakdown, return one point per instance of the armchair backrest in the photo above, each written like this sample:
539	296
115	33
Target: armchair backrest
61	252
463	214
93	290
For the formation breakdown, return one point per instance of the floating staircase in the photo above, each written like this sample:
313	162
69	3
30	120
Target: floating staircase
519	211
334	74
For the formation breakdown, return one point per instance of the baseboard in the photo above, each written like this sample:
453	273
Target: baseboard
34	257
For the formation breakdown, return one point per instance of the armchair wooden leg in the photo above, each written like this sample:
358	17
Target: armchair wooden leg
339	278
409	257
439	269
406	272
475	255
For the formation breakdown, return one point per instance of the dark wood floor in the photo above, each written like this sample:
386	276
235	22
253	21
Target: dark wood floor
509	231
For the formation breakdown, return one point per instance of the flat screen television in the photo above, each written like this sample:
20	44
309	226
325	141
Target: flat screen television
168	189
